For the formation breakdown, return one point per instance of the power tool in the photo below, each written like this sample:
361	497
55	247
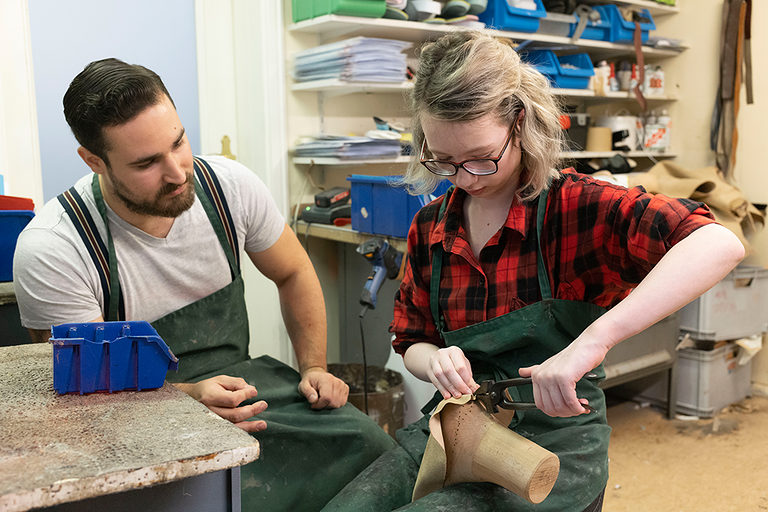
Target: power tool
329	205
386	261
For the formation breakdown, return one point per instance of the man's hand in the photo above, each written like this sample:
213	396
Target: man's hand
223	395
323	389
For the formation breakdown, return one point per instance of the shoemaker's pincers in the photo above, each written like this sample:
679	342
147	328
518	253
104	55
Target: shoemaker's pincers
493	394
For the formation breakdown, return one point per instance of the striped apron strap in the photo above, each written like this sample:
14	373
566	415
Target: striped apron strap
83	222
210	185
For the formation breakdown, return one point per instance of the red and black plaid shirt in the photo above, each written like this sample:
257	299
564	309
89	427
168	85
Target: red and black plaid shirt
598	240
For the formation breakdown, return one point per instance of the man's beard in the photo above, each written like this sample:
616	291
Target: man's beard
161	206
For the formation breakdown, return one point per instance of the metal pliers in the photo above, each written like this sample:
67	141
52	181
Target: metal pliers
493	394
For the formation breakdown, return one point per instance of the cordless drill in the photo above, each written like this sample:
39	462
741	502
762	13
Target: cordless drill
386	261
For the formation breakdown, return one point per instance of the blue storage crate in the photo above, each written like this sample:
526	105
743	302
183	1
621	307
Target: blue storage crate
12	222
500	15
623	31
550	66
381	207
578	78
596	30
109	356
544	61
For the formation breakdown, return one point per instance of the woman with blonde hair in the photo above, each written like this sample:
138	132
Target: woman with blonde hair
521	270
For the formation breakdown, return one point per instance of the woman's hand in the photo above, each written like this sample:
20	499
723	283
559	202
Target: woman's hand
223	395
554	380
450	371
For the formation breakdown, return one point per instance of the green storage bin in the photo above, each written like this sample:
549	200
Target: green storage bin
302	10
305	9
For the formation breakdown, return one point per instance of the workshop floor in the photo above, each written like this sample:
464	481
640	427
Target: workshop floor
661	465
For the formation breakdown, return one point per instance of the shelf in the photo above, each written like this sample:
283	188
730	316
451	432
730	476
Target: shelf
344	234
346	161
579	155
655	8
331	26
401	160
589	95
335	87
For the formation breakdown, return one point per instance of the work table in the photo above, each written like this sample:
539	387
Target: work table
62	448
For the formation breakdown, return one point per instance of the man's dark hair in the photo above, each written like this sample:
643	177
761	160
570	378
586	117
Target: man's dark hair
107	93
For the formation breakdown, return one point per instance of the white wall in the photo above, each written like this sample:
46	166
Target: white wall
19	151
68	35
242	95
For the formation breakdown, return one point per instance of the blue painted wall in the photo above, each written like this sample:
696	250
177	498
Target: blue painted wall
66	36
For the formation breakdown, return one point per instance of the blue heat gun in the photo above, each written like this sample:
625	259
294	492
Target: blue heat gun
386	261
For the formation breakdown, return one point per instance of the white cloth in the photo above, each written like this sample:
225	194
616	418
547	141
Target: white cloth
56	281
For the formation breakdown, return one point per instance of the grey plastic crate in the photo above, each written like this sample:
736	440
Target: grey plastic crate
734	308
648	352
707	381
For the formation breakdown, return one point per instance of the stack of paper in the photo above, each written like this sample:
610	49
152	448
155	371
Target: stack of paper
360	59
337	146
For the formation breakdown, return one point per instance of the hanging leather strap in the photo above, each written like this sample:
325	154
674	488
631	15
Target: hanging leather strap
637	38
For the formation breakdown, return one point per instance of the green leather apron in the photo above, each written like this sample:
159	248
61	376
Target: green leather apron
497	348
306	456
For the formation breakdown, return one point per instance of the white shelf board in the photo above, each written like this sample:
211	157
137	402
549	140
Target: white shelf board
655	8
347	161
574	155
405	159
589	94
339	87
332	26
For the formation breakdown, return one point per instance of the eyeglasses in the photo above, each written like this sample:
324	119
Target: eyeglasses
476	166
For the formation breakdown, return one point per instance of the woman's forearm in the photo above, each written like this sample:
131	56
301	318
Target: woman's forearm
416	359
690	268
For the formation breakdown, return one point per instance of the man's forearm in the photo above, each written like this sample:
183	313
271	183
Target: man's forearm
303	309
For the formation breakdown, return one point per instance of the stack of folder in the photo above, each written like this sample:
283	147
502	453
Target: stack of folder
337	146
359	59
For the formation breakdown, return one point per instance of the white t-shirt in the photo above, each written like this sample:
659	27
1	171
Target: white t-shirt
56	281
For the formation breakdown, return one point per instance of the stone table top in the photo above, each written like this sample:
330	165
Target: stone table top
61	448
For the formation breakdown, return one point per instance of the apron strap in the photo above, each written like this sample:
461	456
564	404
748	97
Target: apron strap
209	192
438	256
216	207
541	210
102	255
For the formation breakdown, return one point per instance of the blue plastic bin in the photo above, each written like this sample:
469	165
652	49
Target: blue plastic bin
578	78
500	15
544	61
623	31
12	222
549	65
596	30
381	207
109	356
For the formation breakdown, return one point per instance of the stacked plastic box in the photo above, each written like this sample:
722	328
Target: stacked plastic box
382	207
306	9
15	214
710	376
566	71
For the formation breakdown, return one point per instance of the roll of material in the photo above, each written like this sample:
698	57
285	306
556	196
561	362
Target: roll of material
599	138
634	129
